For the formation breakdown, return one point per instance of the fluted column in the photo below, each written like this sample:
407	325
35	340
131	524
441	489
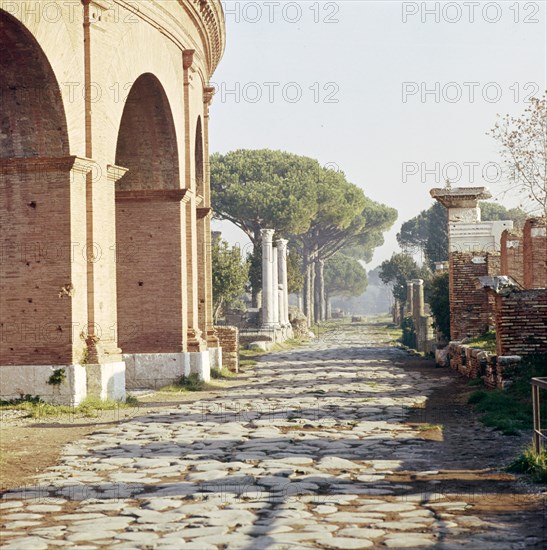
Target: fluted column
283	283
275	286
268	305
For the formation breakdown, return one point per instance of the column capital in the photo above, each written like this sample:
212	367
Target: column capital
187	59
115	172
208	93
267	235
282	244
417	281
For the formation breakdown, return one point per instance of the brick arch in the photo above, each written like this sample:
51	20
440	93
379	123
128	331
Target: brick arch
198	159
32	116
147	141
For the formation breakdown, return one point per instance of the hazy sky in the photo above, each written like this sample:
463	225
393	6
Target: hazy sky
398	95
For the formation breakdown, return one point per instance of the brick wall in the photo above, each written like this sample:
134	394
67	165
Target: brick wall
150	286
43	292
471	309
535	253
521	322
228	338
512	255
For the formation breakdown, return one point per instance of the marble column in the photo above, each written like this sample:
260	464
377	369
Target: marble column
409	308
418	299
283	284
275	287
268	302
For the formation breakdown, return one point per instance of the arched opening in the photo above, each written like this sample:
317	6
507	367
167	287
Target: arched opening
149	228
147	142
198	158
32	121
41	292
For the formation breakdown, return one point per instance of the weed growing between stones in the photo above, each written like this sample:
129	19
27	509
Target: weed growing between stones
57	378
186	383
89	407
531	464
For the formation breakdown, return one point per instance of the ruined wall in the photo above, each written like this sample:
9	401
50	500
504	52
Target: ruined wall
535	253
471	309
521	322
228	338
512	255
495	371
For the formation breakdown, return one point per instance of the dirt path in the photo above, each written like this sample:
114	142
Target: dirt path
343	443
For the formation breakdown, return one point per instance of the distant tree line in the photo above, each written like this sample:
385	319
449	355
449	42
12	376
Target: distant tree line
331	224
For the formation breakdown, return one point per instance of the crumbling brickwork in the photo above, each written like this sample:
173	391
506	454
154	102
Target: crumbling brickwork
535	253
512	255
521	322
471	309
476	363
228	338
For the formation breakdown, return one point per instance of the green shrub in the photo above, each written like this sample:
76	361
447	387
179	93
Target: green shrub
409	333
532	464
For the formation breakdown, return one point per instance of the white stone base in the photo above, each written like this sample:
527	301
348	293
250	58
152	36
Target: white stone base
155	370
215	358
199	362
106	381
19	380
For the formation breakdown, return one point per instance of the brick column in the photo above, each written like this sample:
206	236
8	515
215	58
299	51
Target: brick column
211	337
512	258
100	203
195	341
535	253
284	297
268	304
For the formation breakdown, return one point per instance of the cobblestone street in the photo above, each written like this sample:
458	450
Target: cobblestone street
313	448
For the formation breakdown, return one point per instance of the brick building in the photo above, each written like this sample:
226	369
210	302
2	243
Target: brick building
105	265
474	247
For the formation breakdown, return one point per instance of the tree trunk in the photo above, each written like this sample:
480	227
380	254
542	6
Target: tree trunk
256	296
319	291
217	311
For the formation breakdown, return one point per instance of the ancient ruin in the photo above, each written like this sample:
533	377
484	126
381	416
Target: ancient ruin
105	209
498	280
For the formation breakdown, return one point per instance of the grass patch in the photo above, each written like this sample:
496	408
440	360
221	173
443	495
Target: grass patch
186	384
221	374
486	342
427	427
531	464
247	363
89	407
510	410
